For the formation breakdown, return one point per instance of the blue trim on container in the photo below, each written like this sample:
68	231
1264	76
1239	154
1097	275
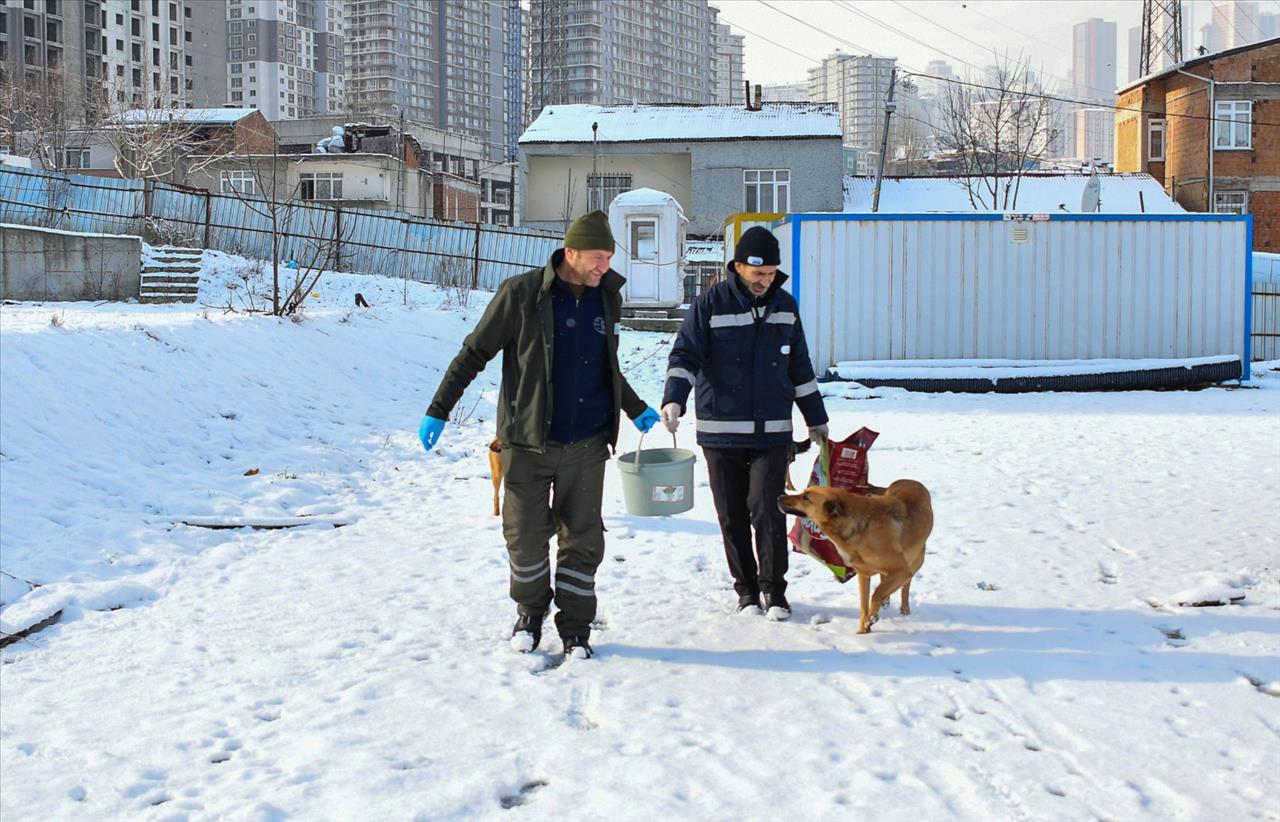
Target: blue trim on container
1246	369
795	264
985	216
1190	217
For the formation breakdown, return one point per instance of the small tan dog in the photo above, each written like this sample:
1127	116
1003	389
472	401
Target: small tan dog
882	533
495	469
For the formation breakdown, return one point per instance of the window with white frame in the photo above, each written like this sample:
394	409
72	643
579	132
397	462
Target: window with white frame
1230	202
602	188
239	182
1233	121
1155	141
767	190
77	157
321	185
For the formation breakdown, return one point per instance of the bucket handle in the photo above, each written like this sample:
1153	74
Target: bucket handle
640	447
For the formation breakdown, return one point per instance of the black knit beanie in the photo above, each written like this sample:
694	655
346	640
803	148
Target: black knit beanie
757	246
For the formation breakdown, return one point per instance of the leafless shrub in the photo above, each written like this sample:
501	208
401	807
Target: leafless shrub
453	275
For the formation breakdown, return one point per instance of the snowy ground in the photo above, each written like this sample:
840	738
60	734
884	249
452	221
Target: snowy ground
1047	672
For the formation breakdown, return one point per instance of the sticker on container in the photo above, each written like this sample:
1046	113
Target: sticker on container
668	493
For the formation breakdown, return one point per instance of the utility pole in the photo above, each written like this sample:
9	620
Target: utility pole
889	106
595	178
400	182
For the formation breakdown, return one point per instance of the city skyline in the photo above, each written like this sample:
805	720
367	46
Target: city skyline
781	48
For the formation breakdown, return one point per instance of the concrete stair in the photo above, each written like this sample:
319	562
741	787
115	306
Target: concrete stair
172	275
665	320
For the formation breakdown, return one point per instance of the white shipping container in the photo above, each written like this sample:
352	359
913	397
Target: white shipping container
1018	287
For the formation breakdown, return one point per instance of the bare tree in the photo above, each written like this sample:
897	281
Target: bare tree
159	138
317	231
36	120
910	141
999	126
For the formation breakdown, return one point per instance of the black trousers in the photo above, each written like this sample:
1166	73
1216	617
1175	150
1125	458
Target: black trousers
745	483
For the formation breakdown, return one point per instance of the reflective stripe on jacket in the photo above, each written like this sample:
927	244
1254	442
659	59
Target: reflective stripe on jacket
748	364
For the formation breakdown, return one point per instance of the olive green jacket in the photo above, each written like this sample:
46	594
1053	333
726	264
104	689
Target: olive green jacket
519	322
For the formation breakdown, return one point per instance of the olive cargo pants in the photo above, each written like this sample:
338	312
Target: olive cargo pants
556	492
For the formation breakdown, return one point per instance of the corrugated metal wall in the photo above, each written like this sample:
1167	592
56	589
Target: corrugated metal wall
368	242
1266	306
968	287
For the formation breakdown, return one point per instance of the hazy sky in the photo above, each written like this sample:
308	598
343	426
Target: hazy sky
963	29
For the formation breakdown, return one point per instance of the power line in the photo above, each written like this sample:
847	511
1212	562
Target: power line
999	22
1069	84
1229	21
954	81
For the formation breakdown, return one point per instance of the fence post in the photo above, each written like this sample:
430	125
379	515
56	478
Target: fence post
337	238
475	260
146	208
208	217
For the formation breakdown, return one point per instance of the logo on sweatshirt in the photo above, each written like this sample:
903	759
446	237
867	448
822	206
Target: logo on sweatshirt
599	325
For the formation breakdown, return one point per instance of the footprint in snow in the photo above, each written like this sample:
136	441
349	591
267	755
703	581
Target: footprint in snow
523	796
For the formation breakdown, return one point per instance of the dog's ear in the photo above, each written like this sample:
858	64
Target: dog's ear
833	508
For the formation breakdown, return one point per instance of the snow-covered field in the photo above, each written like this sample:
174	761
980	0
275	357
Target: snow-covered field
1048	670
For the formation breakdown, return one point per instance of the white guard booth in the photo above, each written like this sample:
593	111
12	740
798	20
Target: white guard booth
649	227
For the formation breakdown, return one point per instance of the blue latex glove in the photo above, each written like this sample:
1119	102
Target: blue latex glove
429	431
646	420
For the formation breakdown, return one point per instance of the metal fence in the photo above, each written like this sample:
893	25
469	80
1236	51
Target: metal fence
1266	306
348	239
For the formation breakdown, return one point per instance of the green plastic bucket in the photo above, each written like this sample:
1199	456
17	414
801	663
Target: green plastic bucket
658	481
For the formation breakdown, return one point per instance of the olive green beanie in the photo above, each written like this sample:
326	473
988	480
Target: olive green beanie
590	232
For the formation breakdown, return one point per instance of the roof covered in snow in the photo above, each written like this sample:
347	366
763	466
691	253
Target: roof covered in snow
645	196
703	251
678	122
1042	193
200	116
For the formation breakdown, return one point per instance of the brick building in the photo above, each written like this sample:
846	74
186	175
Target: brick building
1209	130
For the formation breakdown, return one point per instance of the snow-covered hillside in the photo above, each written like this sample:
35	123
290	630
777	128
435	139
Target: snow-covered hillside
362	672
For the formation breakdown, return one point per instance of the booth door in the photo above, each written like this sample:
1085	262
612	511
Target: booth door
642	279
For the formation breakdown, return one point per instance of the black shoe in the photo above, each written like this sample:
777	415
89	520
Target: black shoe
776	607
748	601
577	647
527	633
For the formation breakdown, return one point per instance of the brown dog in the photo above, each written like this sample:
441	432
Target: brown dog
883	533
495	469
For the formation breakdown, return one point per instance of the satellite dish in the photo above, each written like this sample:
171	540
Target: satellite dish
1091	199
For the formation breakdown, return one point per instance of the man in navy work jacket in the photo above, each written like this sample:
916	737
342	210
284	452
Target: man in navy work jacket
742	346
561	399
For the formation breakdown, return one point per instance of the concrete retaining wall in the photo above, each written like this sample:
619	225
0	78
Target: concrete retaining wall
45	264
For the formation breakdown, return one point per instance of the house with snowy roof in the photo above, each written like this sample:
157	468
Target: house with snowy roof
716	160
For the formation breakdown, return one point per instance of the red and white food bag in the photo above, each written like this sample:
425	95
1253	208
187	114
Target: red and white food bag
840	464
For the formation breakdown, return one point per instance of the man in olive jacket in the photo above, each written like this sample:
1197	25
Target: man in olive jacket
559	408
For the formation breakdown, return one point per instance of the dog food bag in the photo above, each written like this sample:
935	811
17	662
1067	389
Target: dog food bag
840	464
